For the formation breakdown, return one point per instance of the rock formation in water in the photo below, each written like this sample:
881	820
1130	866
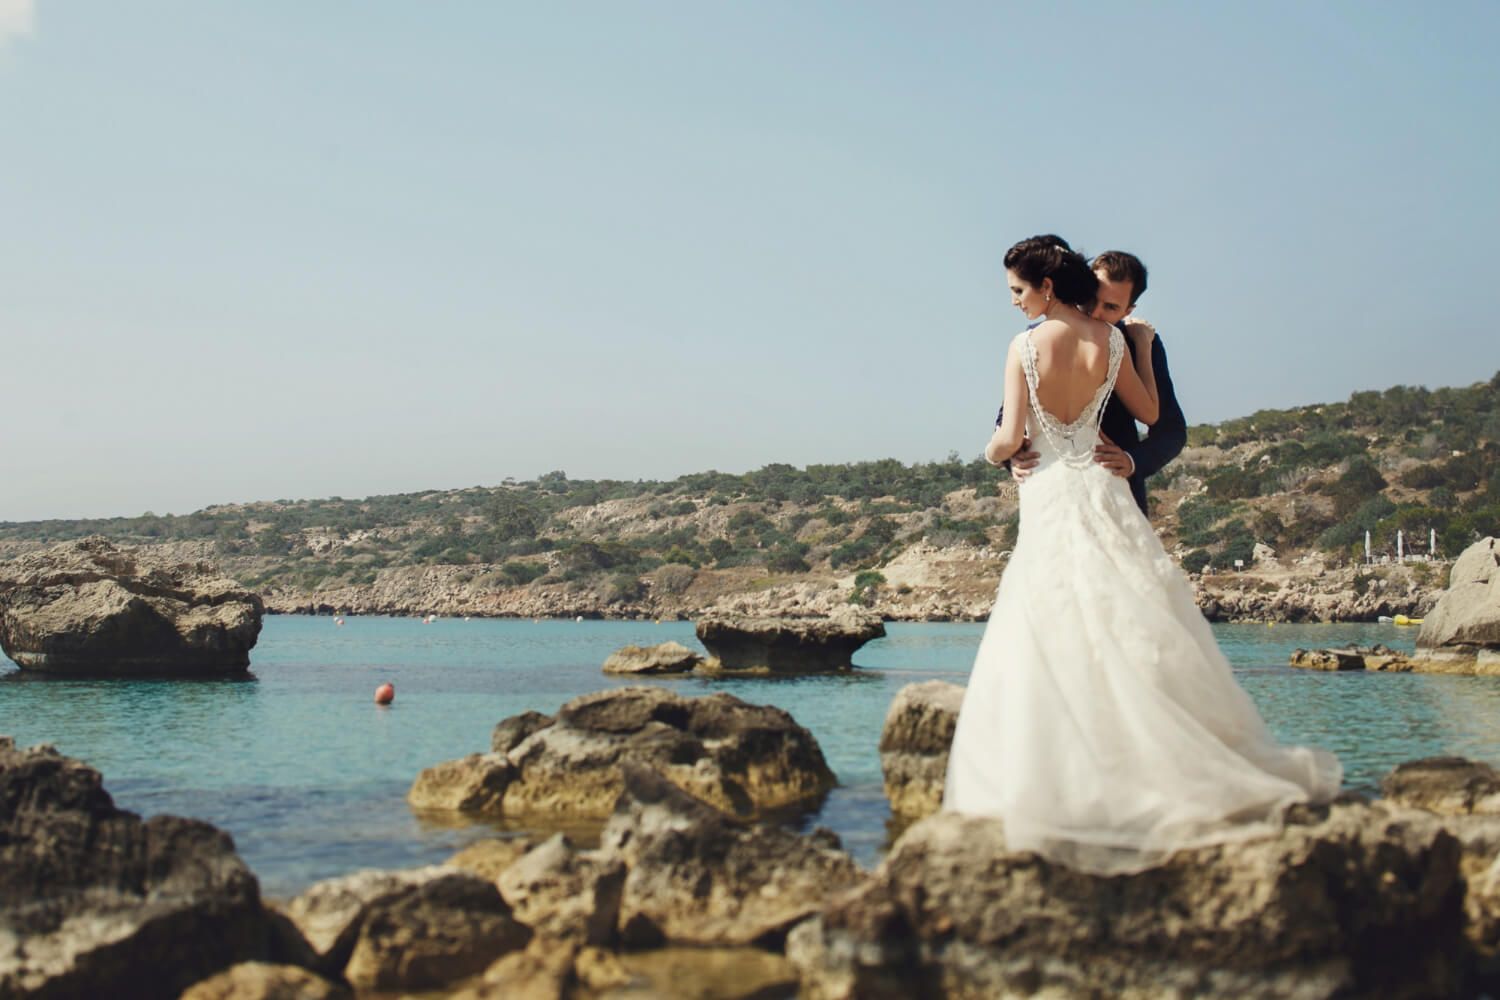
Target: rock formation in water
789	645
1464	627
91	608
745	759
914	746
663	658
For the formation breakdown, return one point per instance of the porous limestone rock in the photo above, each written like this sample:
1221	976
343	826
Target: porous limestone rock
443	930
750	760
1465	624
789	645
1350	900
89	607
663	658
92	897
564	893
701	877
914	746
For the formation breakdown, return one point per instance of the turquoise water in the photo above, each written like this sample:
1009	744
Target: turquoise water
310	776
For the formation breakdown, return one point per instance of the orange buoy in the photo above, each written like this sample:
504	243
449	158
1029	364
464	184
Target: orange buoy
385	694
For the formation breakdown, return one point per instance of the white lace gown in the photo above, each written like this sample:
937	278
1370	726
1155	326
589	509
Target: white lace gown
1101	722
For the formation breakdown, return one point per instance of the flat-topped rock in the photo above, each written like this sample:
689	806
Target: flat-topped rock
1350	900
92	608
92	897
789	645
749	760
914	746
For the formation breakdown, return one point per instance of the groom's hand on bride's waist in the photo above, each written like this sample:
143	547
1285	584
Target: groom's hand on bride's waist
1114	458
1024	462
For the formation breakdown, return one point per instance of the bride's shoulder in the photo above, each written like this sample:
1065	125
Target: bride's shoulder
1047	329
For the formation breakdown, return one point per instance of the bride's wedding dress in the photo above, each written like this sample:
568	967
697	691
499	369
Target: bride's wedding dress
1101	722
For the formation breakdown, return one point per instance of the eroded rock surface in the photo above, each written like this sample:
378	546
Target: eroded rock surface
413	929
566	894
700	877
914	746
91	608
1351	900
789	645
265	981
749	760
1465	624
92	897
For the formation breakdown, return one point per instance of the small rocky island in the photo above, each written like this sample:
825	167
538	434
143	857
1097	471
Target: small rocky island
789	645
91	608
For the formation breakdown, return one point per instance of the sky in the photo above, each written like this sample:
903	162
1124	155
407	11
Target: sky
274	250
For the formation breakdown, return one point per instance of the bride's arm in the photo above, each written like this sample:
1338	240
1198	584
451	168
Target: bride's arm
1006	440
1136	383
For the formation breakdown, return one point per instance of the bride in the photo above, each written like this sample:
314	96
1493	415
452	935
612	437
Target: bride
1101	723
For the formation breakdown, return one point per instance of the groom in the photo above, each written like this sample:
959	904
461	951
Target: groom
1122	279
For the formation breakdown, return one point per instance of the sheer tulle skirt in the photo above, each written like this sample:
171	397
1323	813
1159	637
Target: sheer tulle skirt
1101	722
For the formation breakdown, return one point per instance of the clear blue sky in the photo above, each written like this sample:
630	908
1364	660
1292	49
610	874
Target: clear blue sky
283	249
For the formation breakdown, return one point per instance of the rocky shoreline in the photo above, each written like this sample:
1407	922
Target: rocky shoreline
1302	594
1396	897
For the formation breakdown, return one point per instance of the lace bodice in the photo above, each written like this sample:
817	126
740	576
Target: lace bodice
1064	437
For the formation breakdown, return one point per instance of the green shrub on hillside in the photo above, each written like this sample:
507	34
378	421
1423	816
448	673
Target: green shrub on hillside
1195	560
625	587
1196	517
787	560
1357	485
519	574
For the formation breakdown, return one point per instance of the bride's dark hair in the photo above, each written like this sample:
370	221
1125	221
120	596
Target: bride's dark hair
1039	257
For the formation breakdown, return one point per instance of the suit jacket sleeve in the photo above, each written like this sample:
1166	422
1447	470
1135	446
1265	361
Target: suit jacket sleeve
1168	436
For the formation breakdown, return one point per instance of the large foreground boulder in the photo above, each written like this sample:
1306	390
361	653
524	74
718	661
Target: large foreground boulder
789	645
91	608
748	760
1465	794
1465	624
95	902
1351	900
914	746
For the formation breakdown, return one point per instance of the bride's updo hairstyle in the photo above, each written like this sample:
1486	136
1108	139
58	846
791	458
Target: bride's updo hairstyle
1039	257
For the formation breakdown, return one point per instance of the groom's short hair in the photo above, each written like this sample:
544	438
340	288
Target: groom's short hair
1121	266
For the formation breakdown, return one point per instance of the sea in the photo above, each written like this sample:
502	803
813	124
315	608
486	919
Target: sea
309	775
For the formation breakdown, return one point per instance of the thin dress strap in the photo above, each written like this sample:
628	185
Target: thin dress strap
1063	436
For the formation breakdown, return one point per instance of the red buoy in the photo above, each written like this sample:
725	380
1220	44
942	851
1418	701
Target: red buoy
385	694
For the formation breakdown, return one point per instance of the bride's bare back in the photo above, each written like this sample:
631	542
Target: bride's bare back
1071	364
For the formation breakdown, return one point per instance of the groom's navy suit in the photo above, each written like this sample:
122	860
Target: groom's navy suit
1162	443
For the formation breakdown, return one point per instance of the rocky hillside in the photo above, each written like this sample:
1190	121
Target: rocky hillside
1289	493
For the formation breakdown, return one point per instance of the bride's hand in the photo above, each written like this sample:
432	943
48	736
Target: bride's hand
1140	331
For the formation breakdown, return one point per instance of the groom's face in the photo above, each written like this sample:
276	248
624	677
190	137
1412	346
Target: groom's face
1114	302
